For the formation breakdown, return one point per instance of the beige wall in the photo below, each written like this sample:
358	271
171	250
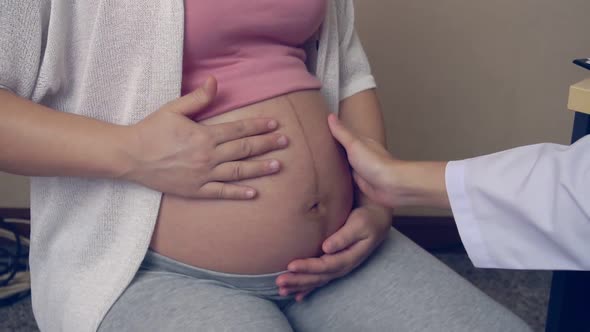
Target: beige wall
460	78
14	191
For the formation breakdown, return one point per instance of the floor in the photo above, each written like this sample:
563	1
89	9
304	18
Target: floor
525	293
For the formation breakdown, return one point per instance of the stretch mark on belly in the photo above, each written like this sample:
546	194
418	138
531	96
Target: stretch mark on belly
315	202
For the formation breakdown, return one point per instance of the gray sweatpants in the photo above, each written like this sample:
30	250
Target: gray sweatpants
399	288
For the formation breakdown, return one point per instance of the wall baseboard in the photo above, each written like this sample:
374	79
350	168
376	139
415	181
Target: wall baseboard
15	213
431	233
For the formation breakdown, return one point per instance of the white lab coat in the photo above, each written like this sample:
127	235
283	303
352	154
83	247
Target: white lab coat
525	208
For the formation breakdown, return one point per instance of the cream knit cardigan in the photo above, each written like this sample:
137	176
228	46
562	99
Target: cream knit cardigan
117	61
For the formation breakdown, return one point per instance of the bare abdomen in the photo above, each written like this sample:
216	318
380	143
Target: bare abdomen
293	213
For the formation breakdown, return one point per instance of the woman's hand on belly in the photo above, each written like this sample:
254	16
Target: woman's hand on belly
176	155
364	230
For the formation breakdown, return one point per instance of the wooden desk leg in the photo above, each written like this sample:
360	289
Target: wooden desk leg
569	301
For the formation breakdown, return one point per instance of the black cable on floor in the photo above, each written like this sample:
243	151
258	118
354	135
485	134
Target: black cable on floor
10	264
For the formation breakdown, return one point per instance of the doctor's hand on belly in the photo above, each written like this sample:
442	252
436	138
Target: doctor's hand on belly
175	155
388	180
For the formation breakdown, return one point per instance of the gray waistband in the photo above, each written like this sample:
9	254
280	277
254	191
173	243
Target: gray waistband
259	282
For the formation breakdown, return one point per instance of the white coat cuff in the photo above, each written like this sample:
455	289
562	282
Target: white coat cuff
469	228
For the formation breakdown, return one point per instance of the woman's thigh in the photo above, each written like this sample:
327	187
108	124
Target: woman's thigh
162	301
401	288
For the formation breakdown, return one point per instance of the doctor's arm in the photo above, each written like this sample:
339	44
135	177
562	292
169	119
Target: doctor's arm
524	208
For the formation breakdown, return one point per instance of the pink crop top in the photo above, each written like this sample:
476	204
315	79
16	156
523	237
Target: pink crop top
253	48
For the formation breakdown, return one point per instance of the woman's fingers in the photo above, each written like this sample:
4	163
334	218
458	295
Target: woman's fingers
307	283
330	263
299	297
241	170
219	190
249	147
297	282
310	265
229	131
345	237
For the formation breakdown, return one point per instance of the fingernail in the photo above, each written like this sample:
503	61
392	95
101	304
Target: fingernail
282	141
250	193
272	124
274	165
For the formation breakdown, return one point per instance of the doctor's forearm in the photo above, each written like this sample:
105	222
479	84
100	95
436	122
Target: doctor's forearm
420	183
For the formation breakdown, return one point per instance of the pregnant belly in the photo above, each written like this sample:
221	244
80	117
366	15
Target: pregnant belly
295	210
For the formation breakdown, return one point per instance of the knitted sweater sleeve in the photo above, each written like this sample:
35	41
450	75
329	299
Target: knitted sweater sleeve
22	41
355	71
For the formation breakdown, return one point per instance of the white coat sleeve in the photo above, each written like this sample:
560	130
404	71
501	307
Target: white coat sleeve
525	208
